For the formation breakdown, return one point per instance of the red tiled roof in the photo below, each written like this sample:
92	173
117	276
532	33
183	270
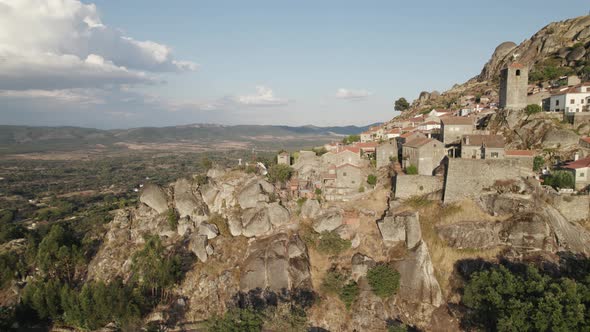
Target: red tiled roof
430	123
409	128
520	153
581	163
585	139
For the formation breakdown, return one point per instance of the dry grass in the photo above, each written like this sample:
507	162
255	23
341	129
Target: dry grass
444	257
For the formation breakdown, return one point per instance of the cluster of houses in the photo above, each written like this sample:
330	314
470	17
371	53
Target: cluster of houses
340	172
422	143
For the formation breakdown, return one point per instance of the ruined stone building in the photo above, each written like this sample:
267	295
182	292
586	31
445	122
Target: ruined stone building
514	80
424	153
482	147
347	155
385	153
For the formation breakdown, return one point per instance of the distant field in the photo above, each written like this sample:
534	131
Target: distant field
73	143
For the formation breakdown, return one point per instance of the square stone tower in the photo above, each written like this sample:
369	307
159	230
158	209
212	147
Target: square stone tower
514	81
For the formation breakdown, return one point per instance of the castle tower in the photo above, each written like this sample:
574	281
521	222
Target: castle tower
514	81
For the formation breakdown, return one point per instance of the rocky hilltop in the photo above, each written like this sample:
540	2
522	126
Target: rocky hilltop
567	41
560	48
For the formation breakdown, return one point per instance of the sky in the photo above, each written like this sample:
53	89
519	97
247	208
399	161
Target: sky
121	64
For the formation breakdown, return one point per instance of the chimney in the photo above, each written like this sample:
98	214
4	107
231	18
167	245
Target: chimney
576	156
466	140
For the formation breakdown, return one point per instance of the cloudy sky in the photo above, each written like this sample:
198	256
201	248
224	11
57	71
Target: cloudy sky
119	64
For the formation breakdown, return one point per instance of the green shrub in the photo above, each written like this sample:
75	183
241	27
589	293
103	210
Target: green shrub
172	218
411	170
384	280
237	320
351	139
538	163
560	179
533	109
331	243
372	179
501	300
333	282
349	293
280	173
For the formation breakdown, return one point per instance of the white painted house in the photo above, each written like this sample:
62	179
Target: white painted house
571	100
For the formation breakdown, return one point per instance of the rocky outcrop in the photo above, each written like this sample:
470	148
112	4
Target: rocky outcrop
310	209
328	220
550	40
255	222
419	293
153	196
198	245
471	235
188	201
125	234
529	232
560	138
276	263
402	227
208	230
251	195
361	265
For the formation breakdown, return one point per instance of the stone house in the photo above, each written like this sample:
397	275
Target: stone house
385	153
581	171
424	153
482	147
527	156
347	155
453	128
284	158
348	176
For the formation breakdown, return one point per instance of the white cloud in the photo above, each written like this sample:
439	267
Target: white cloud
60	44
76	96
352	94
264	97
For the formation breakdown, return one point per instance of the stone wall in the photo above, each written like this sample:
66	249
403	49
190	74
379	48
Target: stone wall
580	118
573	208
467	178
407	186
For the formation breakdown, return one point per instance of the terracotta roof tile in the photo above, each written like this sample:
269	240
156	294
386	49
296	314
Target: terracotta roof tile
457	120
581	163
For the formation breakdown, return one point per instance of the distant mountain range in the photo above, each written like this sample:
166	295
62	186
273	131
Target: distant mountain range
47	138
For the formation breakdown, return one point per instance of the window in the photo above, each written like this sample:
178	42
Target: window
557	102
581	175
572	101
494	154
344	174
518	72
582	101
